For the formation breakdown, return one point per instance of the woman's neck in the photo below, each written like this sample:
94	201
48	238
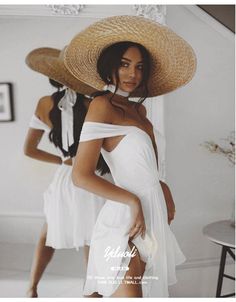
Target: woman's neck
118	99
118	91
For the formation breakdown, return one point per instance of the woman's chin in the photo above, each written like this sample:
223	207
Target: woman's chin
128	89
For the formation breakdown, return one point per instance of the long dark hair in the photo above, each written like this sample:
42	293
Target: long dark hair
79	113
109	63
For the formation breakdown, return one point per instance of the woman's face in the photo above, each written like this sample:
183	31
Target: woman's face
131	70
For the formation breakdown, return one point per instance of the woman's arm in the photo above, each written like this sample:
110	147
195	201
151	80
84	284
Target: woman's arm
32	141
34	136
169	201
83	173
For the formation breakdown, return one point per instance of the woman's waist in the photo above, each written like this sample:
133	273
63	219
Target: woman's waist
138	187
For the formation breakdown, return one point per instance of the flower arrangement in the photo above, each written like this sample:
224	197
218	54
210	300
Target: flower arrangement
227	151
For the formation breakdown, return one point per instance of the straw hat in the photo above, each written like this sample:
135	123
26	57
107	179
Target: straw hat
173	59
49	61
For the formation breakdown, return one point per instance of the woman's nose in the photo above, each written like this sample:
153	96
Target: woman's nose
132	72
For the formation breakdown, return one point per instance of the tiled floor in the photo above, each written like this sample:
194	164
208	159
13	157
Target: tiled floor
195	282
14	284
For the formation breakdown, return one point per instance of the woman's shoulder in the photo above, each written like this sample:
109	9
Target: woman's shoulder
142	110
100	110
102	101
140	107
45	101
44	106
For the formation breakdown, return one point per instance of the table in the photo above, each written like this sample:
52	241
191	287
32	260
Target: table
222	233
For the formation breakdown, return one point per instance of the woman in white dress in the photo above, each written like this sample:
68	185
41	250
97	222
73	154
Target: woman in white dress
133	252
70	212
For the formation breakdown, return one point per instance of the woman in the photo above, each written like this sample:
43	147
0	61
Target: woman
70	212
132	239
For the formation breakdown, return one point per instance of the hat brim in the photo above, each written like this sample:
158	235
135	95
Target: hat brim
173	62
48	61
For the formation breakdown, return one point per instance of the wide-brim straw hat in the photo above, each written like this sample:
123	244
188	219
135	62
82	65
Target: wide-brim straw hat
49	62
173	61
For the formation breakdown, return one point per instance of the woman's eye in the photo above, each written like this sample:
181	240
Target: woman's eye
140	67
124	64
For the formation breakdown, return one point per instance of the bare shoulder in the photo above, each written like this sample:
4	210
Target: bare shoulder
100	110
44	106
142	110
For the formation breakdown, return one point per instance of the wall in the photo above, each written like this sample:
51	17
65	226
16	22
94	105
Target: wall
202	183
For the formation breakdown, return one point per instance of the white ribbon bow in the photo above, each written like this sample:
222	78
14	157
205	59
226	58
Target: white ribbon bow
66	106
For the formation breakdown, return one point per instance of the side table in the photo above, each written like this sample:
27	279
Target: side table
222	233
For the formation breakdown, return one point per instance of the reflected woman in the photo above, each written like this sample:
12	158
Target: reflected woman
70	212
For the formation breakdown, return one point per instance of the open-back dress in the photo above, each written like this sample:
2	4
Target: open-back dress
70	212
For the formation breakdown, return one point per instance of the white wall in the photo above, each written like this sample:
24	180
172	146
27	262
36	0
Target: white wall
202	183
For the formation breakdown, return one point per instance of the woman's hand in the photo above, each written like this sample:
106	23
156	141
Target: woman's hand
138	226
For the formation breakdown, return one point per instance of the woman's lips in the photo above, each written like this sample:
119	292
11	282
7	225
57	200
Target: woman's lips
130	84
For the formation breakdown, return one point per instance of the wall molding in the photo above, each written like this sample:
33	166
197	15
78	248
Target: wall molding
71	10
154	12
103	11
87	11
20	215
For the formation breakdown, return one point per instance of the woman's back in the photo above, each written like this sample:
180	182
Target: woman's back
45	105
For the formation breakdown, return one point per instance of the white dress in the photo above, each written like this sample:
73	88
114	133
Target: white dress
70	212
134	168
